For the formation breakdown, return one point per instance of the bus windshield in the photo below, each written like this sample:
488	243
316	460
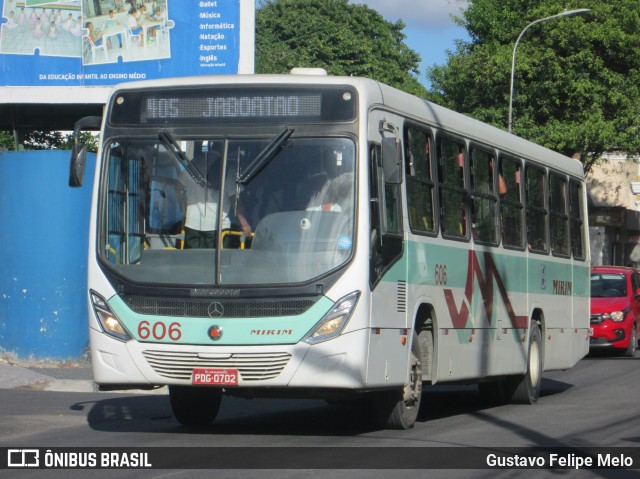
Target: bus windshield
287	211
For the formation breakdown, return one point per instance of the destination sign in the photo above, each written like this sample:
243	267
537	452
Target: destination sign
204	105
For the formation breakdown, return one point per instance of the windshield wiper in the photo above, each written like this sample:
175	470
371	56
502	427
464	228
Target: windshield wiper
171	144
265	156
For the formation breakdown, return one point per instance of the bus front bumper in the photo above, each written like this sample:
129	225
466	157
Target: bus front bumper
339	363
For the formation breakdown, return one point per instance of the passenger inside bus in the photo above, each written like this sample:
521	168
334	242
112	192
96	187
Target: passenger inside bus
502	186
263	196
510	204
200	222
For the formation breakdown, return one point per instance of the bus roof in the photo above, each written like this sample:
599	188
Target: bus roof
380	94
476	130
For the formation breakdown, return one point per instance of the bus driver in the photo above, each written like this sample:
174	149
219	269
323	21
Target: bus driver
200	223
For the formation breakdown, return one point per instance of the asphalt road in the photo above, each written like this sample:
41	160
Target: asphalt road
595	404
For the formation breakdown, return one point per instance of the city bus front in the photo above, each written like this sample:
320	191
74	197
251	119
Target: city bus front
224	244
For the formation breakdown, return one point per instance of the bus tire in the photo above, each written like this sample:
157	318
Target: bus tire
398	409
526	388
195	406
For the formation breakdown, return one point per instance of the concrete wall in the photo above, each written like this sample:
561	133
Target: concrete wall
43	256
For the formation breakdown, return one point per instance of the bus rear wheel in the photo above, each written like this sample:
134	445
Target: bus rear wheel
398	409
195	406
526	388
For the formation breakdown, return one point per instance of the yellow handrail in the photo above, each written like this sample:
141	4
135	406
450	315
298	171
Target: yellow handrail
112	250
242	235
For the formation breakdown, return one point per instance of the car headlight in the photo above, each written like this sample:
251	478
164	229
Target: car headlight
616	316
110	323
332	323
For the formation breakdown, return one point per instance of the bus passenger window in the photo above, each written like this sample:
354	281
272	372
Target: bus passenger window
536	209
559	218
452	187
484	201
420	184
511	207
577	222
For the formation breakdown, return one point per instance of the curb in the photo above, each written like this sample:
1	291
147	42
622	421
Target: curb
13	376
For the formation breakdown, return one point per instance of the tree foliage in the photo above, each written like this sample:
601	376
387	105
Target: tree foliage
46	140
343	39
6	140
577	78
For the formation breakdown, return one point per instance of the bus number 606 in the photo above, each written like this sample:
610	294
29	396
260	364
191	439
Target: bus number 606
159	331
441	274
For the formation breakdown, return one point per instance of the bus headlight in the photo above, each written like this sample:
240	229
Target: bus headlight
332	323
108	320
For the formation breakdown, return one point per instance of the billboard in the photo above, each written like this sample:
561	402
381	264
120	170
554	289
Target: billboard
99	43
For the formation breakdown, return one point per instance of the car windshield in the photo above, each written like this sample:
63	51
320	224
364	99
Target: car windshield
285	218
608	285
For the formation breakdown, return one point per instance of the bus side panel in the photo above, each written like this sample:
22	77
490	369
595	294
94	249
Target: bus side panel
473	354
388	357
563	347
391	329
479	299
581	308
559	295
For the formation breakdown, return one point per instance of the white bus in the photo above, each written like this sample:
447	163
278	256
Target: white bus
370	243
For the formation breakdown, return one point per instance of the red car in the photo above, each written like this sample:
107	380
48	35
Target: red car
615	309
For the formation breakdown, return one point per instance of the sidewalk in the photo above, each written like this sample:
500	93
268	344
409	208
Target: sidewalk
76	377
53	376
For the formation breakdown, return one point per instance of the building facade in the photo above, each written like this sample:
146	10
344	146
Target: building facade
613	189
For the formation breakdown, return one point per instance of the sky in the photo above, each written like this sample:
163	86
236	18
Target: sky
429	28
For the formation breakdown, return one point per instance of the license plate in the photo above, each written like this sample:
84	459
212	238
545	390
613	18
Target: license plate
215	377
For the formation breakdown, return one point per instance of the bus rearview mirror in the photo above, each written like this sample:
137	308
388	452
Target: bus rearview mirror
77	165
391	161
79	150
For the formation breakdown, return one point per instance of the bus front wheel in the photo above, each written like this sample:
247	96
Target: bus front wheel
398	409
195	406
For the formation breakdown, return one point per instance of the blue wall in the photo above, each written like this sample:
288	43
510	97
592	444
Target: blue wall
43	256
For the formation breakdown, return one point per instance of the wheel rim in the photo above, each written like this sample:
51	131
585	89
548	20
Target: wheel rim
413	389
534	364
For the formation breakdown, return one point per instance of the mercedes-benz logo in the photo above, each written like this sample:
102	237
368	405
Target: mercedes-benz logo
215	310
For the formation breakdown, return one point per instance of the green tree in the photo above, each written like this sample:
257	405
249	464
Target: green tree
42	140
6	140
577	78
46	140
343	39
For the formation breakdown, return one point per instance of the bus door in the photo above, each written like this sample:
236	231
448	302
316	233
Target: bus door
388	268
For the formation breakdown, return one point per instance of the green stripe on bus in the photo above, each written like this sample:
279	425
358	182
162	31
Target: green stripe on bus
235	331
432	264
